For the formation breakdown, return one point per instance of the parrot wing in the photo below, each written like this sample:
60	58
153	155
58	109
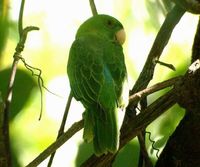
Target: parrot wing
116	64
85	71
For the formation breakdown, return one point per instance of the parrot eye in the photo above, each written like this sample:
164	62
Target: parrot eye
110	23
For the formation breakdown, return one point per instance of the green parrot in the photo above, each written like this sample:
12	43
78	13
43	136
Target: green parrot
98	77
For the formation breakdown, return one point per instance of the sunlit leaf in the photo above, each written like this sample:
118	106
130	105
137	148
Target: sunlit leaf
128	156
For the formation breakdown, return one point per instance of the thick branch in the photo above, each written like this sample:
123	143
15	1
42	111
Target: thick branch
183	147
159	44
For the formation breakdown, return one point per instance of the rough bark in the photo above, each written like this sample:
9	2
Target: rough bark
183	147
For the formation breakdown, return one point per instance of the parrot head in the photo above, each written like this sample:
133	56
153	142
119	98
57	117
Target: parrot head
105	26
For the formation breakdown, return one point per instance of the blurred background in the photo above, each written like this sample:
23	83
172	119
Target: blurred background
48	50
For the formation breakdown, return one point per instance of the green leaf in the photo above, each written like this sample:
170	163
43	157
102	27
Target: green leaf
23	85
85	150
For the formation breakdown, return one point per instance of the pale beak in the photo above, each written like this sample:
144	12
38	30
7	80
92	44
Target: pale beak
121	36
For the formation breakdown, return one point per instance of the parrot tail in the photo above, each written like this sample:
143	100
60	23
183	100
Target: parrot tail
106	131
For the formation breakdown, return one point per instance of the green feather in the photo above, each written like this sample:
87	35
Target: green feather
88	133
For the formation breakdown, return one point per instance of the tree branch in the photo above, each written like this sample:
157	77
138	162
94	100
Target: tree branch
20	46
135	98
59	142
20	20
62	126
183	147
143	150
159	44
93	8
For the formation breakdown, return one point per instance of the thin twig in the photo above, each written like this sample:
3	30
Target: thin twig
93	7
135	98
143	156
62	126
143	149
31	68
20	20
6	113
59	142
153	144
40	82
170	66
